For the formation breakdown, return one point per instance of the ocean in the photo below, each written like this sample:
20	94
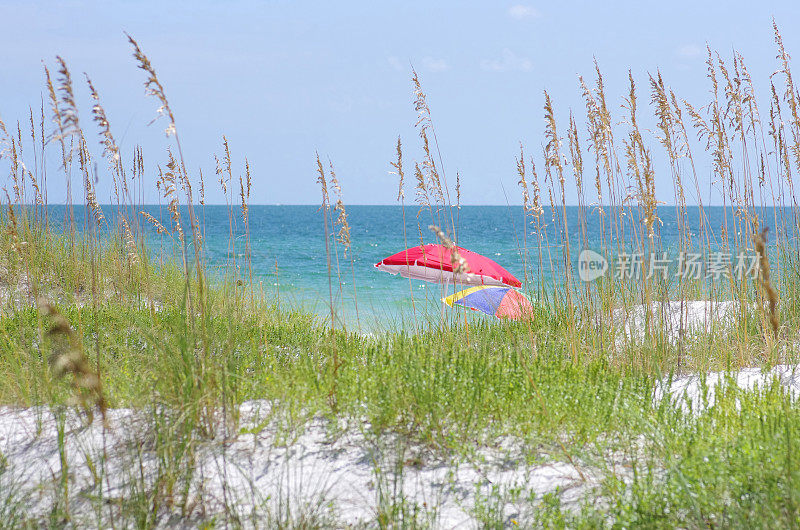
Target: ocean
289	260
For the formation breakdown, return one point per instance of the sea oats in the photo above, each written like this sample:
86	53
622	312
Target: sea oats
398	166
67	359
460	265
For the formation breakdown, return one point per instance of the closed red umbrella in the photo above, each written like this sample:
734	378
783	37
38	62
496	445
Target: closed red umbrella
434	263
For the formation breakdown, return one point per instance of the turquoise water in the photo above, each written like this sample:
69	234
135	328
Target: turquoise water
294	236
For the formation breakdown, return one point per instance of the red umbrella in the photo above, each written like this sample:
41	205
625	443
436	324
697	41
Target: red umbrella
434	263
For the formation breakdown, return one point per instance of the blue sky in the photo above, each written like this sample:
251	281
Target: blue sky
285	79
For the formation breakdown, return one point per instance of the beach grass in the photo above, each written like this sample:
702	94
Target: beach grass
95	321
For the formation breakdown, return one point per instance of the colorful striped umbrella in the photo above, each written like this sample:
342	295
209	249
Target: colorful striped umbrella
434	263
502	302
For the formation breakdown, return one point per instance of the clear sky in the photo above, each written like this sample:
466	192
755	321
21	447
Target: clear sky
285	79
